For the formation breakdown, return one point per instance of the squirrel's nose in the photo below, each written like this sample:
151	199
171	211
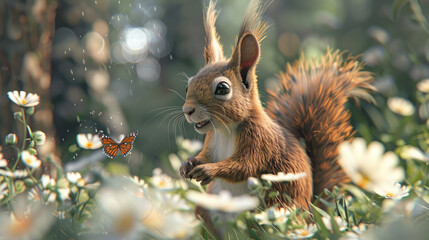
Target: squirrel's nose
188	110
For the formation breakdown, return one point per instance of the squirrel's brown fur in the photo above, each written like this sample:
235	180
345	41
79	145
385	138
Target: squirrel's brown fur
244	140
311	107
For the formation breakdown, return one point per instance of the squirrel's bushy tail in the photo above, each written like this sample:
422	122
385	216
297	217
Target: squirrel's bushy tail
311	105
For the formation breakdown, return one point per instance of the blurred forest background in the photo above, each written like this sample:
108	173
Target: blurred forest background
116	65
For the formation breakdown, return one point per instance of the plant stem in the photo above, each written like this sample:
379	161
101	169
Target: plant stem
41	188
23	140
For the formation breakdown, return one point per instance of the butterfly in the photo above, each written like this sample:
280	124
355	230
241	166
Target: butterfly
111	148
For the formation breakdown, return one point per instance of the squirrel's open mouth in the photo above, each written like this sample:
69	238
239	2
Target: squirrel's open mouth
202	123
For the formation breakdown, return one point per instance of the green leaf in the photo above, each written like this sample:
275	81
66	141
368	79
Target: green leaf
273	194
32	151
397	6
206	230
73	148
357	192
418	14
320	211
335	227
323	231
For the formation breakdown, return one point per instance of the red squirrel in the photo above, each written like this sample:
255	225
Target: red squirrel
245	140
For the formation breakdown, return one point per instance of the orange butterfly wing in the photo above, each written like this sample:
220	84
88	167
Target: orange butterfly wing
110	147
126	144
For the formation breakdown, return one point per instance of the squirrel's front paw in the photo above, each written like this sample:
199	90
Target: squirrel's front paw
187	166
203	173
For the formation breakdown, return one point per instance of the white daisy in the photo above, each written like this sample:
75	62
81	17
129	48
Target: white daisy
423	85
23	99
139	181
224	201
191	146
20	173
410	152
167	200
88	141
165	224
64	193
282	177
120	212
306	232
165	216
73	177
400	106
3	162
340	222
369	167
47	181
162	181
34	195
16	174
272	215
30	160
393	191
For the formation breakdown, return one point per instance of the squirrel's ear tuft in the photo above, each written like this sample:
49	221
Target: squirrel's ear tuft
247	57
213	50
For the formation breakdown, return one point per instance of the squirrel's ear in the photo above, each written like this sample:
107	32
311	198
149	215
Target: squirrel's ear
213	50
245	56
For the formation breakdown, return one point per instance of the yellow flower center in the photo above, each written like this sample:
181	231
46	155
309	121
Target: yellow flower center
154	220
29	161
180	235
89	145
125	223
304	233
24	101
389	195
81	182
162	183
364	182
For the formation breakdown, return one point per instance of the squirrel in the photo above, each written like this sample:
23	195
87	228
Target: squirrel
245	140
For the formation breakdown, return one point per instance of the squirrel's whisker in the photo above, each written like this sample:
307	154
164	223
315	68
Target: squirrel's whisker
178	94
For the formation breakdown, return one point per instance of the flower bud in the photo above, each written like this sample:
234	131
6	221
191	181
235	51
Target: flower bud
17	115
252	183
29	182
19	186
11	139
39	137
81	182
29	111
32	151
271	215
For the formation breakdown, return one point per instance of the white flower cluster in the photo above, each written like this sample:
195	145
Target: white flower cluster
131	210
372	169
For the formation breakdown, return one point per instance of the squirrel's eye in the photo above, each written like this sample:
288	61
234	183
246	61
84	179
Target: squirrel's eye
222	88
186	90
